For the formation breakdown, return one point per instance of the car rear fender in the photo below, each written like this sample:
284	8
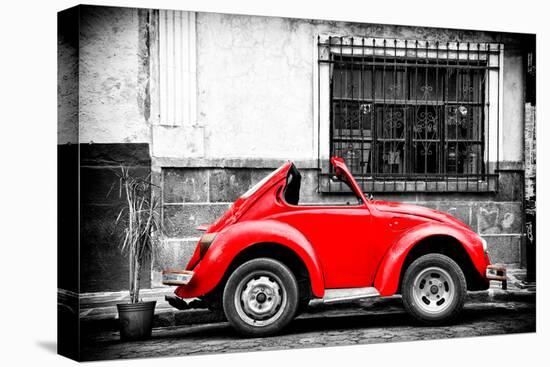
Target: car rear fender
389	271
231	241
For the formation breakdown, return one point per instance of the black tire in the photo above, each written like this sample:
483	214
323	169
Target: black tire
251	280
434	289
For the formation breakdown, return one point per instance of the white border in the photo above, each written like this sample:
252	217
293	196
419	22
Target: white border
29	180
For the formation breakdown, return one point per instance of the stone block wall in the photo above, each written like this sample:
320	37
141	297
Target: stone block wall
192	197
199	195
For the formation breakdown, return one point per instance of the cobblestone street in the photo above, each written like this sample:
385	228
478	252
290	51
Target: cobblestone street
332	327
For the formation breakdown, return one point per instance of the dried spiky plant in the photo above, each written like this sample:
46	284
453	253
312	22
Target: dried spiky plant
142	224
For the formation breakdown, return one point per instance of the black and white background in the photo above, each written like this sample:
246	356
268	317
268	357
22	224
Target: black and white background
30	172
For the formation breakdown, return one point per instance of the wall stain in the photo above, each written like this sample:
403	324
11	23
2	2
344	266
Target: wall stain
144	71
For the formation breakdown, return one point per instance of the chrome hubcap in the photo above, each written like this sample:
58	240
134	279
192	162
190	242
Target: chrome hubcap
433	290
260	299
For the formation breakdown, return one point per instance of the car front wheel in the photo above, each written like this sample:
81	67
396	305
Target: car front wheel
434	289
260	297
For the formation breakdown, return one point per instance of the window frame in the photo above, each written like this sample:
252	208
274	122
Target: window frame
492	53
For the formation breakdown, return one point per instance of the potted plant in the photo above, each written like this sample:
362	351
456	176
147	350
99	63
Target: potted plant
142	225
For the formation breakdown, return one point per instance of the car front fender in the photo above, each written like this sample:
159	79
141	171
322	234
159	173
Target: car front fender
389	271
231	241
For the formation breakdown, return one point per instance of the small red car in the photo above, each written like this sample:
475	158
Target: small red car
268	256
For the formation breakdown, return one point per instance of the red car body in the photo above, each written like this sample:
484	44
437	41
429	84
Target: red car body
367	244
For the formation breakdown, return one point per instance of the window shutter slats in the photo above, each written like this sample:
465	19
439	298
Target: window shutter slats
177	68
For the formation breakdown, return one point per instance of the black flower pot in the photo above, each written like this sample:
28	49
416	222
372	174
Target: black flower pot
136	320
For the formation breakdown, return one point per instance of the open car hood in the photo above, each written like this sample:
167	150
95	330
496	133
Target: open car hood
342	171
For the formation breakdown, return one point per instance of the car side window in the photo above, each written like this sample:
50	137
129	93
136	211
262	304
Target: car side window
292	188
291	193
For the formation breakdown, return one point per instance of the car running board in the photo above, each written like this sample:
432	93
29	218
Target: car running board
348	294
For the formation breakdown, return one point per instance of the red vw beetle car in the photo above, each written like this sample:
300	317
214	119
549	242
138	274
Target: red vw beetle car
268	256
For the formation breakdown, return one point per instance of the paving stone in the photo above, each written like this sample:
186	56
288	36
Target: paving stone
476	320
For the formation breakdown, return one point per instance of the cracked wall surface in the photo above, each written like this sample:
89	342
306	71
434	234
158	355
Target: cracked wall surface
256	82
110	76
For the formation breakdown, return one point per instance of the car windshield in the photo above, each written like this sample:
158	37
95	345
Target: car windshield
255	188
349	186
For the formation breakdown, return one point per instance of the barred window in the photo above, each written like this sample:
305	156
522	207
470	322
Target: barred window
413	115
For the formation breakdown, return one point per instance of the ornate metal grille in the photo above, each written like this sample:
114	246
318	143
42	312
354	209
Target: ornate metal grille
413	115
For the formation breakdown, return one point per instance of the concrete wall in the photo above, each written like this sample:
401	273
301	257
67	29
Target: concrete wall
67	153
102	124
103	266
513	105
253	74
67	76
255	86
109	76
257	74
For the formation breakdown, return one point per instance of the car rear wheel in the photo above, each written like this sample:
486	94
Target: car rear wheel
434	289
260	297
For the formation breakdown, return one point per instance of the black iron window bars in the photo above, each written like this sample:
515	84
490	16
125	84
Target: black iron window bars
412	115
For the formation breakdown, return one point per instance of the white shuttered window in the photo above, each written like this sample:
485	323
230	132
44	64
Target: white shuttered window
177	68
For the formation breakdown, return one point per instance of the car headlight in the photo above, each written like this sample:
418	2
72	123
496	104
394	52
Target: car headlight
483	243
205	242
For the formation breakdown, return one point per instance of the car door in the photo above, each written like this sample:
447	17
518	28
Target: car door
340	236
